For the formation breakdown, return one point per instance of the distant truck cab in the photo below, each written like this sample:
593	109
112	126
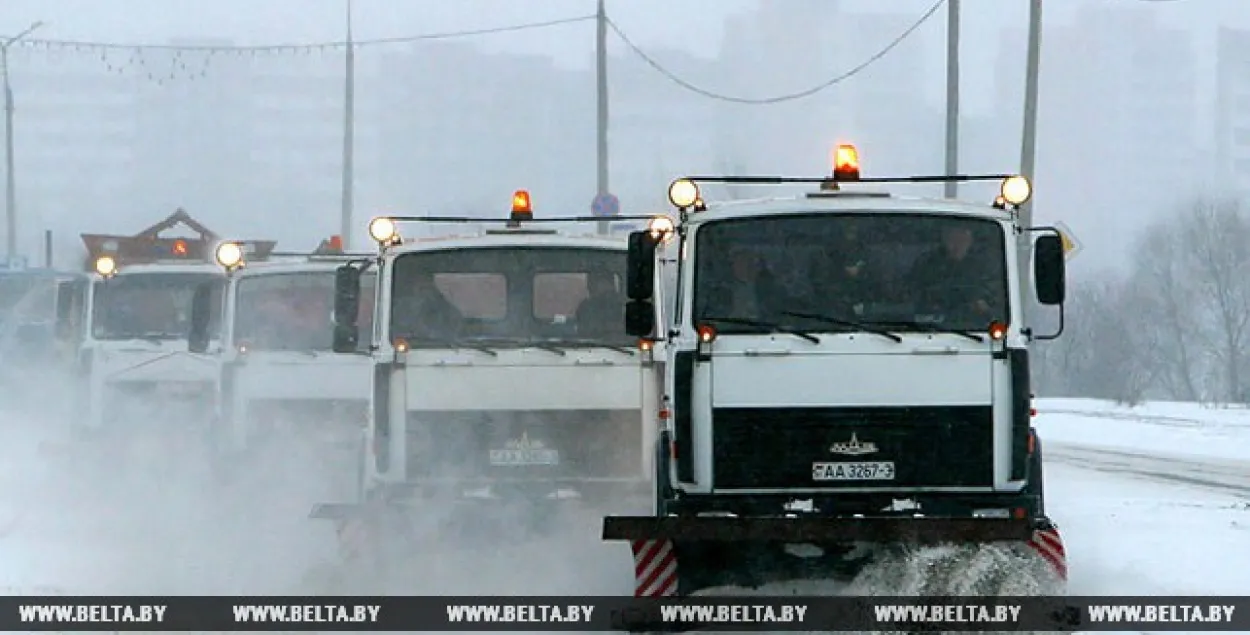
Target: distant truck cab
846	375
277	364
128	321
28	307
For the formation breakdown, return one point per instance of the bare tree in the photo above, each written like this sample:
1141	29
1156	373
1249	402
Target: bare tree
1100	354
1165	303
1216	240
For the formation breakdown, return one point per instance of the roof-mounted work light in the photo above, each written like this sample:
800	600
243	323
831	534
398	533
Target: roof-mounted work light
683	194
383	231
229	255
661	228
105	266
1016	190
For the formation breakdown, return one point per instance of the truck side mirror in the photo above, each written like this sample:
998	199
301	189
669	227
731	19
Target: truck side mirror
639	318
1049	270
346	309
201	317
640	267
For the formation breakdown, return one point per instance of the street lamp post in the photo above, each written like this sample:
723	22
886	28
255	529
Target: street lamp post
1028	145
10	190
952	96
349	136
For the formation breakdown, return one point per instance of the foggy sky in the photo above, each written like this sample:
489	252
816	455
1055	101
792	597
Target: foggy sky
695	26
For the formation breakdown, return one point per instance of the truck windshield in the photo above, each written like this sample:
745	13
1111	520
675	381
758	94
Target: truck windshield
294	311
149	306
510	294
903	272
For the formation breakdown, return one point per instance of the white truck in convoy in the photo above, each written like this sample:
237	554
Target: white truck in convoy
276	367
128	321
846	377
503	382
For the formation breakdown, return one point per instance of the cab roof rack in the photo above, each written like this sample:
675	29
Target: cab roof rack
684	193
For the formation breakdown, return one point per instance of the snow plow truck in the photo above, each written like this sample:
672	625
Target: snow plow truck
505	396
846	384
277	370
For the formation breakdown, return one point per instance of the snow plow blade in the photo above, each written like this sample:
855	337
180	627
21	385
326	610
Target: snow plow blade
818	529
682	556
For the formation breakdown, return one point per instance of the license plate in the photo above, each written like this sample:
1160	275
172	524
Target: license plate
864	471
513	458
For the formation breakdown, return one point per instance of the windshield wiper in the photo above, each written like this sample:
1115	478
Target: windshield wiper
150	338
519	342
771	326
933	328
588	343
847	323
454	343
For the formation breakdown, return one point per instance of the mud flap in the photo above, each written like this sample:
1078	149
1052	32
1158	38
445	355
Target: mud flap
679	556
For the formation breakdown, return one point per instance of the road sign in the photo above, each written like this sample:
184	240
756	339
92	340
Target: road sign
605	204
1071	247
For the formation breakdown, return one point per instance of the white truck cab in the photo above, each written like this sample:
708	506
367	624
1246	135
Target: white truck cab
502	375
276	363
137	320
846	370
124	324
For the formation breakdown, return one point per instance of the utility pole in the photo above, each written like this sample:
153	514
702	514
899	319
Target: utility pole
1028	145
349	125
10	198
952	96
601	82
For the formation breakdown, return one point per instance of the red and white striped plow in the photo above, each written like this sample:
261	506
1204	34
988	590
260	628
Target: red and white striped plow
655	568
1049	545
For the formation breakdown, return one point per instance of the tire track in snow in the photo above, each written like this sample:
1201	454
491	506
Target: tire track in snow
1227	477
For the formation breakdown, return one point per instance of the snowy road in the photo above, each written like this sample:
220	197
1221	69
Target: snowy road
1151	501
1143	512
1216	475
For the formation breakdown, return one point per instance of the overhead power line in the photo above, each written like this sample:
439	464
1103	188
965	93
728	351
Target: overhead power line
676	79
293	47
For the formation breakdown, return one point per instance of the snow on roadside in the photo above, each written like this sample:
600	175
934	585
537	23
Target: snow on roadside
1130	537
1156	428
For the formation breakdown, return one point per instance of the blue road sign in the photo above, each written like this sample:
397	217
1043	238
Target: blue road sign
605	205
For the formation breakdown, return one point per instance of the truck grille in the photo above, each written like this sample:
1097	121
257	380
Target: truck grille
766	448
524	445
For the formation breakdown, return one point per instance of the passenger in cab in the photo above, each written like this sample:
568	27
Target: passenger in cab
748	291
423	312
310	328
954	282
266	327
150	314
840	273
599	315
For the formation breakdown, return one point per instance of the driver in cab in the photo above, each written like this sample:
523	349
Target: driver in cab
599	315
423	312
749	291
957	281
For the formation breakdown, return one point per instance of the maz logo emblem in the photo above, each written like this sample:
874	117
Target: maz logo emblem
853	447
